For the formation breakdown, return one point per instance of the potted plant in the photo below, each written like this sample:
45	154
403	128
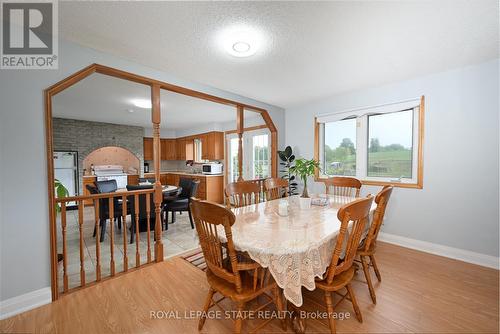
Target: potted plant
303	169
61	192
287	157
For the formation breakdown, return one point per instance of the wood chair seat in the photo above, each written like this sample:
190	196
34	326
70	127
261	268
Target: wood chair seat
247	287
366	252
339	281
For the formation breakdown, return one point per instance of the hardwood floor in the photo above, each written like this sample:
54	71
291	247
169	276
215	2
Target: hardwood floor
419	292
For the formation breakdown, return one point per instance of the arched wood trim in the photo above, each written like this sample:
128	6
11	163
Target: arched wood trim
155	86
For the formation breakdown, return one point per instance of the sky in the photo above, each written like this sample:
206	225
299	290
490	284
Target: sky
399	123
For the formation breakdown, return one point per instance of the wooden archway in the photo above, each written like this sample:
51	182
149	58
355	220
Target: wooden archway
156	86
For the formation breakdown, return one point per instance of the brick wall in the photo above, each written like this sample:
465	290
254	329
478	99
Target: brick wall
84	137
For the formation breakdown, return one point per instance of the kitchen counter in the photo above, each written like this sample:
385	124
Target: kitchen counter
184	173
211	187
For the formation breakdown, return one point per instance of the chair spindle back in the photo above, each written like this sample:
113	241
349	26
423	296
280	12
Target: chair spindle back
381	199
276	188
353	217
242	193
343	186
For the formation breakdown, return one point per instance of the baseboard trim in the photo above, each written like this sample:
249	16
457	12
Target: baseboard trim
446	251
26	302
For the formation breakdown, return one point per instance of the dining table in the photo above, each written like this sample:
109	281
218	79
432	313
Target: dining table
295	248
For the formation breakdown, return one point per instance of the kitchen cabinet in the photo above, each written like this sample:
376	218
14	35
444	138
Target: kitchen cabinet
211	188
133	180
172	179
181	149
88	180
212	145
148	148
215	146
168	149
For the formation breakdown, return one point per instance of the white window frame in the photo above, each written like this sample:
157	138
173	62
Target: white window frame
248	153
229	166
361	115
248	137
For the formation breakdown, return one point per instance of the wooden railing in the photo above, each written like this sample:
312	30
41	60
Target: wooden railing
85	215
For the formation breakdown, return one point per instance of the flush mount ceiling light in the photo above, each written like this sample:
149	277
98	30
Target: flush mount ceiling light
142	103
240	41
130	110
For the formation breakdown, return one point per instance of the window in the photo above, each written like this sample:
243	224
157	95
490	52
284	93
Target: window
197	150
390	152
340	147
256	161
233	159
261	157
378	145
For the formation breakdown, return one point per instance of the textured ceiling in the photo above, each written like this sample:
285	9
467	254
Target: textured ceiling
102	98
309	50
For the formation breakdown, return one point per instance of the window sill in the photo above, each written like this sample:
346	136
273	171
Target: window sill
382	183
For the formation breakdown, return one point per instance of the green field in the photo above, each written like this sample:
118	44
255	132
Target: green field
388	163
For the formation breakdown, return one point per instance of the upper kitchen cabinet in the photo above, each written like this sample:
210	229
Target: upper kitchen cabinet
168	149
213	146
185	149
148	148
197	124
181	149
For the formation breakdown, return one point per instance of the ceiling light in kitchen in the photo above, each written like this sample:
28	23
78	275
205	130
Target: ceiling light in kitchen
142	103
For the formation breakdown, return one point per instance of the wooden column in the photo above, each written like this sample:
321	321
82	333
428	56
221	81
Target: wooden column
239	130
158	194
274	143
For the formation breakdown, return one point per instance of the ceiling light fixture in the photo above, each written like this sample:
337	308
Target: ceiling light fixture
142	103
130	110
241	47
240	41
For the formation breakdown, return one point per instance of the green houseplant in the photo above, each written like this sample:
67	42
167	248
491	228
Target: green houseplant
61	192
287	161
303	169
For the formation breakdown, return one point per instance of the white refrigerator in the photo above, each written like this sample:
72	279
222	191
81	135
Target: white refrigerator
66	171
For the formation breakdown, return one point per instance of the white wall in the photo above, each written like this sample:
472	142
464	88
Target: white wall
458	206
24	238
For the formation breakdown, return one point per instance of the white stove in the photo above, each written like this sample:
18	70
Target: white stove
111	172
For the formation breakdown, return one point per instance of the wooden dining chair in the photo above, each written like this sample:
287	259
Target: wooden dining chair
342	186
275	188
340	272
242	193
369	244
233	276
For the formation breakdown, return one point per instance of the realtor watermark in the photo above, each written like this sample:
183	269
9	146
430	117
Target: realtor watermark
29	38
231	314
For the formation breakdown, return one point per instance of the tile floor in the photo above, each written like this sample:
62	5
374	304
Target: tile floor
179	238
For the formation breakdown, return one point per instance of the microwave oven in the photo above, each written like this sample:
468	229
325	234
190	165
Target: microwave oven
212	168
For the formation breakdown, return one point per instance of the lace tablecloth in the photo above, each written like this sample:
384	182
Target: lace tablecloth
296	248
